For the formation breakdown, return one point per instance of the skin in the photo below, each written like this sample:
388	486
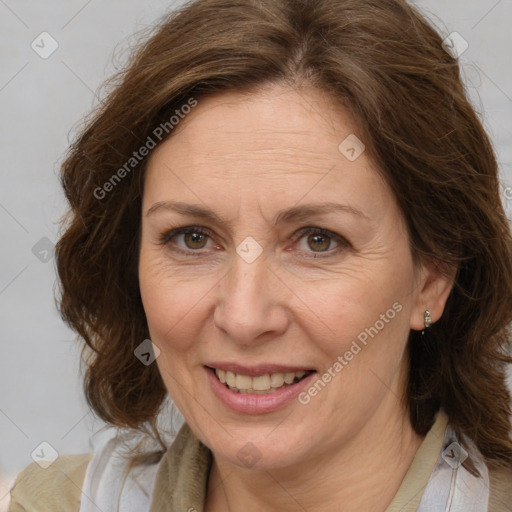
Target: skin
247	157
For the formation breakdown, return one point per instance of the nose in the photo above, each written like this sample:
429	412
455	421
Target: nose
250	306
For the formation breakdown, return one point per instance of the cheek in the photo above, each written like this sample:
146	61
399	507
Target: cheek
365	311
374	325
172	305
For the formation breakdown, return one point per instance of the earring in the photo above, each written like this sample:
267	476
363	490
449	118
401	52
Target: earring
428	321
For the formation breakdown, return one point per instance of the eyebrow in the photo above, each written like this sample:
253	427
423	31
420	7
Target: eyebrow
296	213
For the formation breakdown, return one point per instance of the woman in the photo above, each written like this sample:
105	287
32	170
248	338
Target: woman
286	217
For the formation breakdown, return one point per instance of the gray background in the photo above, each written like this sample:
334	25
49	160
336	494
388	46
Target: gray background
42	102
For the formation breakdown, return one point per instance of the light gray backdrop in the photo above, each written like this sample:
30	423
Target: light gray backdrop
54	55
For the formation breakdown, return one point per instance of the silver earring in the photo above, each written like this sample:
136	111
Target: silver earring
428	321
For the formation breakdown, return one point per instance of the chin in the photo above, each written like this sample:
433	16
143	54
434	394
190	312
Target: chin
257	446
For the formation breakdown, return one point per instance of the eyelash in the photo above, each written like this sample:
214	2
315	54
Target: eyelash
166	237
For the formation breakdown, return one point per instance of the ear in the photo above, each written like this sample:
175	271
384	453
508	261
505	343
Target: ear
434	284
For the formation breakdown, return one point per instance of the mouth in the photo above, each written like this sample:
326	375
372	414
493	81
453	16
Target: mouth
263	384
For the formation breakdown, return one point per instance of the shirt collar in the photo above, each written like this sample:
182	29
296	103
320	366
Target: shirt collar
182	478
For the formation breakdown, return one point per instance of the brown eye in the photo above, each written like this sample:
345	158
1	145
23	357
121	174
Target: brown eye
188	240
194	240
319	242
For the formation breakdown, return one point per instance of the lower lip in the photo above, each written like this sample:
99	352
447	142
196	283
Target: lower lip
256	404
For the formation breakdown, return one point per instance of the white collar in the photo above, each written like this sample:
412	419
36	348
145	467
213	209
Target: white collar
460	479
452	486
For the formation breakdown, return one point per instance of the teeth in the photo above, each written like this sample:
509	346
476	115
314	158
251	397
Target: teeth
259	385
230	379
242	381
288	377
276	380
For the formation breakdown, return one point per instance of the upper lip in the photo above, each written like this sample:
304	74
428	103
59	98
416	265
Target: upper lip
255	370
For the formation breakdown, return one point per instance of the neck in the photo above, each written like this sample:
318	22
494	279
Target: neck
364	475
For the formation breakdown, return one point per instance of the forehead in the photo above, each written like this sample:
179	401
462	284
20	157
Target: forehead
275	144
274	118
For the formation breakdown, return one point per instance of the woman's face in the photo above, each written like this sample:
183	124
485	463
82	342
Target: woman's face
295	259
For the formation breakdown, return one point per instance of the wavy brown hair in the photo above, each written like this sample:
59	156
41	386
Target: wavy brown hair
382	61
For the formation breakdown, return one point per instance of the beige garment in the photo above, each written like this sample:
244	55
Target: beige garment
56	488
182	478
